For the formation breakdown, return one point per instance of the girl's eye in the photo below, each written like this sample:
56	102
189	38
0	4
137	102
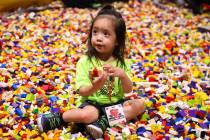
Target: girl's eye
94	31
106	34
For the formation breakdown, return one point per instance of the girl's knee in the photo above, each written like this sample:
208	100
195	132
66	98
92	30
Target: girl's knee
88	117
141	105
141	101
136	103
135	107
65	116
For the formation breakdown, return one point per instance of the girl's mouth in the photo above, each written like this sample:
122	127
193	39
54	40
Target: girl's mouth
99	46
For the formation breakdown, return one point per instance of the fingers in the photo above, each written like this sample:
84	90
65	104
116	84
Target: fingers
109	69
102	77
99	81
113	71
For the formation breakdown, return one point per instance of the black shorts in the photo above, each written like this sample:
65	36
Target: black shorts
101	108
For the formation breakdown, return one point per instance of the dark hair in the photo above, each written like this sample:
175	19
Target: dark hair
120	30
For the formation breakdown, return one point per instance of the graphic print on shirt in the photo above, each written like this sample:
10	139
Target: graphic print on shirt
105	89
108	88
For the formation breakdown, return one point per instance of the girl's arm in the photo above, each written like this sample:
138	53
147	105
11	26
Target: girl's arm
126	83
118	72
96	85
87	90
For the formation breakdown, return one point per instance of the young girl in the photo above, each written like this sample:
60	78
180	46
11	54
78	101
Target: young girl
106	48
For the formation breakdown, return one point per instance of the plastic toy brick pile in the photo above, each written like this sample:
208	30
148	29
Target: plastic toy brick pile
171	65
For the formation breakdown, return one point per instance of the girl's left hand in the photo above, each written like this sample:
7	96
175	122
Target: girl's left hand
114	71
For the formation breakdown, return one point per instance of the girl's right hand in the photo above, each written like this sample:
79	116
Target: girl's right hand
99	82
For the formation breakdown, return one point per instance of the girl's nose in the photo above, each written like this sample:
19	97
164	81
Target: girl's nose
99	38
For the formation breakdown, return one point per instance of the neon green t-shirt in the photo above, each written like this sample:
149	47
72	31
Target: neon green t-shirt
83	67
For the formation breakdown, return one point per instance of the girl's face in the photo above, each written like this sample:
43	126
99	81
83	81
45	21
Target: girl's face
104	36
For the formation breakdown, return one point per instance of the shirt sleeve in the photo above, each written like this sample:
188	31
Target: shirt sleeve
82	73
128	68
